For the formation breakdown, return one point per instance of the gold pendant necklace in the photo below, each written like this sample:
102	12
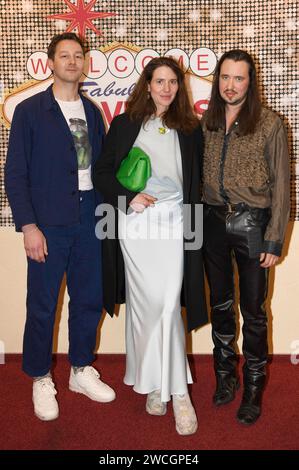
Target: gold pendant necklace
163	130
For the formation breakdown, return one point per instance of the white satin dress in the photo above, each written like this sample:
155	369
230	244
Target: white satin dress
152	247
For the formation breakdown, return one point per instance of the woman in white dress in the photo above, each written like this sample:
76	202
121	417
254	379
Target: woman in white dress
160	121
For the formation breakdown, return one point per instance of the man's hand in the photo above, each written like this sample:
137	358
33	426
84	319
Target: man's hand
267	260
35	243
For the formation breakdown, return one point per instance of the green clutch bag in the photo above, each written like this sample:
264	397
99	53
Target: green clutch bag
134	170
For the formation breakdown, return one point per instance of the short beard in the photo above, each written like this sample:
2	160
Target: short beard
237	102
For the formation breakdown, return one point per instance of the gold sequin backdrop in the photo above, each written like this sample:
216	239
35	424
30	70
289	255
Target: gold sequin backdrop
266	28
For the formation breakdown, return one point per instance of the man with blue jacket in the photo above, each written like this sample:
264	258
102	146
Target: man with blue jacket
56	137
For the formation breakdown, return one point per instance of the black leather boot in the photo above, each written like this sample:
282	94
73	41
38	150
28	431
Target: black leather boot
253	293
225	358
226	388
255	349
250	408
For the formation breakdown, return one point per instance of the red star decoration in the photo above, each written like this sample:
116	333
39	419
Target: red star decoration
81	16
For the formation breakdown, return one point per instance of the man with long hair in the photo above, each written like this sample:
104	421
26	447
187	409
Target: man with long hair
246	195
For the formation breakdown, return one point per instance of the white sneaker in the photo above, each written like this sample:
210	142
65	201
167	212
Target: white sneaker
44	401
87	381
154	405
184	413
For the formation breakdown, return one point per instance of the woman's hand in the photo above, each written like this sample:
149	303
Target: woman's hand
141	201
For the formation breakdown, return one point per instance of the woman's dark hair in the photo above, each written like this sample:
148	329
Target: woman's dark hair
140	106
251	109
62	37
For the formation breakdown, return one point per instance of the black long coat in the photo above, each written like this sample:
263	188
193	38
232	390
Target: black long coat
120	139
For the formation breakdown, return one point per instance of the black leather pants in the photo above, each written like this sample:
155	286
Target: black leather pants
219	249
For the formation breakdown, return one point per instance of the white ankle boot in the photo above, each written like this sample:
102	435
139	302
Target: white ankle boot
184	413
154	405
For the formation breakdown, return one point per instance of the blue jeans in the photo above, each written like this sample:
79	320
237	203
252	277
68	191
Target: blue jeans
76	251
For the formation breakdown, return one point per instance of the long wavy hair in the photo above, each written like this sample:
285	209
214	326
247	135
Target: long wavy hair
140	105
251	108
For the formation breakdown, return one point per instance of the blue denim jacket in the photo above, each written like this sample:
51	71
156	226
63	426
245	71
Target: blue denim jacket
41	171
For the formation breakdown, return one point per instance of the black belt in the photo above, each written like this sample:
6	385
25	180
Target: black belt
229	208
226	210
